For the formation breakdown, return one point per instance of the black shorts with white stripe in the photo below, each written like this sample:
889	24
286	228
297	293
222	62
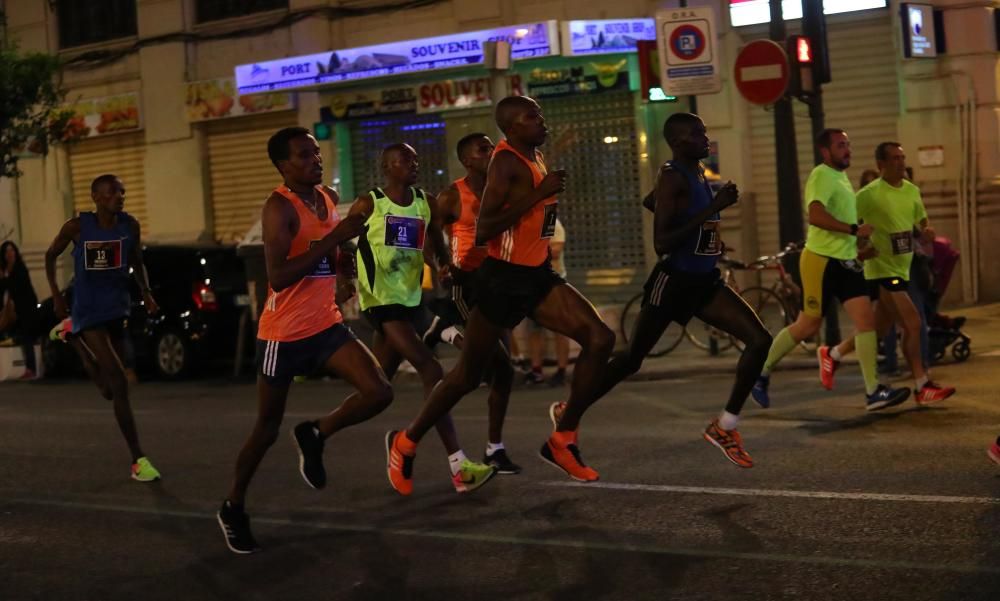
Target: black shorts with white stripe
463	292
680	294
279	362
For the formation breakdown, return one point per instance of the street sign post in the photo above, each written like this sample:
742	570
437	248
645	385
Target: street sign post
689	58
761	72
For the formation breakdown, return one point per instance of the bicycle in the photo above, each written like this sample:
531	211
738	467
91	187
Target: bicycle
777	307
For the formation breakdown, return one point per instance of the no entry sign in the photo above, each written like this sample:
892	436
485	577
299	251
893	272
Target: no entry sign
761	72
689	62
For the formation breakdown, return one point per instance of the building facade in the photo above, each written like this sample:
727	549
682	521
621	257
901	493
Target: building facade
160	107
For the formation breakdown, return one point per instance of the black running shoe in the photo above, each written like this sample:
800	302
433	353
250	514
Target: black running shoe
502	462
235	524
310	446
432	337
885	396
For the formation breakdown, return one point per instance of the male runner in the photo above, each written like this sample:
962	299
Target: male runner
687	282
458	208
390	268
892	206
830	267
106	245
517	219
301	327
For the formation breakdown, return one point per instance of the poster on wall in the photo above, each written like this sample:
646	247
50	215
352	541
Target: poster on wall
218	99
528	40
105	115
606	36
591	78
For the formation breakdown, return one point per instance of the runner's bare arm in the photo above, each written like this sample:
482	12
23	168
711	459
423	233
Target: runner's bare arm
69	232
510	193
436	253
277	220
672	197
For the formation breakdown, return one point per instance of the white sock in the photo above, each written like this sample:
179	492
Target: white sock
835	354
455	461
493	448
448	334
922	381
728	421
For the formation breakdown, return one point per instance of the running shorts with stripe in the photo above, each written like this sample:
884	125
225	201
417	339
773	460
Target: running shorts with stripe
279	362
507	293
678	294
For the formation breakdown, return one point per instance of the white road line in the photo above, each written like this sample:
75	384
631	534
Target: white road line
765	492
480	537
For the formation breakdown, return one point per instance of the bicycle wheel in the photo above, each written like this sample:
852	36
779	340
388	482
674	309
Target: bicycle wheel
667	342
701	335
768	307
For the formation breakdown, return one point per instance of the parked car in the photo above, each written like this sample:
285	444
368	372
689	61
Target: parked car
202	293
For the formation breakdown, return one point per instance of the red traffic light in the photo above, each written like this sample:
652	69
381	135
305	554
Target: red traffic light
803	53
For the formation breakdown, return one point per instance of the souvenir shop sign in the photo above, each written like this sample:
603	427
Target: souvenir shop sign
217	99
427	54
591	78
105	115
606	36
455	94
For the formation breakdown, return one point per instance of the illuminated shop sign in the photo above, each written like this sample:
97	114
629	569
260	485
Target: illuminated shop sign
751	12
605	36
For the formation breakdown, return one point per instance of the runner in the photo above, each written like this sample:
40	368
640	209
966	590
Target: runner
517	219
458	208
106	246
391	257
831	267
301	327
687	282
892	206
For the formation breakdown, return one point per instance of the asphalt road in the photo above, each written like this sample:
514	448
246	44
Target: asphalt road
840	505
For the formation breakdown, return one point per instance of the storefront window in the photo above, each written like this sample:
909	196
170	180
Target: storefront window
213	10
84	22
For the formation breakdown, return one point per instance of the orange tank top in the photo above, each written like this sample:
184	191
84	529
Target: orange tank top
464	252
308	306
527	242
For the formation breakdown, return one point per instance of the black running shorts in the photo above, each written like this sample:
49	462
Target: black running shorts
279	362
680	295
507	293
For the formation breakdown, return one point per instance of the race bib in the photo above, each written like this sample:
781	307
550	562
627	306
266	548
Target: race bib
325	268
549	220
709	241
902	243
100	255
404	232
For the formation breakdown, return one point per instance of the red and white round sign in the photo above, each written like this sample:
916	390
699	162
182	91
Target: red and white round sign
761	72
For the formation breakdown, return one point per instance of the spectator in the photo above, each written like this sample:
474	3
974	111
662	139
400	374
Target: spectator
537	336
19	312
867	177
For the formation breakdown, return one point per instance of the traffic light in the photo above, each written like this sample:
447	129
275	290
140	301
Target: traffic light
801	61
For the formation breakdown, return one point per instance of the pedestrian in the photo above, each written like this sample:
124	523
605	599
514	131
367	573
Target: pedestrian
831	267
18	306
517	220
107	246
301	329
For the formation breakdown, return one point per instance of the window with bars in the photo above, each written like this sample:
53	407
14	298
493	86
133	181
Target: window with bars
425	133
214	10
83	22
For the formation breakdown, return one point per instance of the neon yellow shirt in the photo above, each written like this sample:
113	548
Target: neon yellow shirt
893	212
833	190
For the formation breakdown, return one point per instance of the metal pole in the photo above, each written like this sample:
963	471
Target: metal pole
692	100
789	195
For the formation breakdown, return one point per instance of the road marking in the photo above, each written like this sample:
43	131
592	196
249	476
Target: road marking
479	537
765	492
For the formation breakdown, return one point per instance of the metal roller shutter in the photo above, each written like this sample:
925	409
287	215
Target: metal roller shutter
240	173
123	155
600	207
862	99
425	133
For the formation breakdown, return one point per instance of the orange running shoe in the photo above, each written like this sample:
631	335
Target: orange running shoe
827	366
729	442
556	411
561	451
398	464
931	393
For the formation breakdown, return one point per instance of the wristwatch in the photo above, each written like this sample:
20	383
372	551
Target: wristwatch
854	229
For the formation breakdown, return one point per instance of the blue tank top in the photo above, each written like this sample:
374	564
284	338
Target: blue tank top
700	251
100	270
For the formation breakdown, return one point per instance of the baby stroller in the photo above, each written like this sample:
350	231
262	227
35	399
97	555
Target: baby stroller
943	331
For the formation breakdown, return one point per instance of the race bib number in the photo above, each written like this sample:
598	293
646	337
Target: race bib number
404	232
549	220
325	268
709	241
902	243
100	255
